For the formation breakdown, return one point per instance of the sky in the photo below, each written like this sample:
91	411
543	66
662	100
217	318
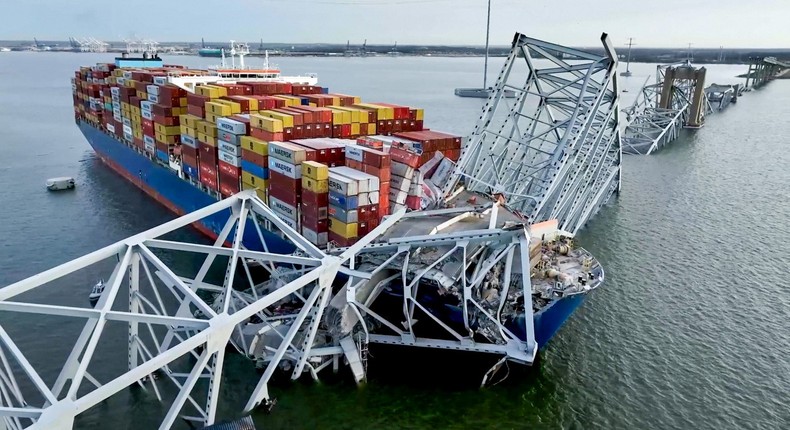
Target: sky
664	23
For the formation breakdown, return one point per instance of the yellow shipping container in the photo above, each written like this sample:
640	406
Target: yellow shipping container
340	117
129	83
207	139
261	121
142	95
136	111
355	129
356	114
165	138
189	131
382	112
189	120
260	147
315	170
420	114
183	102
138	134
126	107
260	191
211	91
371	129
206	127
234	106
345	230
253	180
315	186
218	108
287	120
210	117
168	130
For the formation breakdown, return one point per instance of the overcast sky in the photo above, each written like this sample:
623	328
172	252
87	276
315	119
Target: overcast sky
662	23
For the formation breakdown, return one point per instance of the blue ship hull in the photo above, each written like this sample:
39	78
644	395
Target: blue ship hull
181	197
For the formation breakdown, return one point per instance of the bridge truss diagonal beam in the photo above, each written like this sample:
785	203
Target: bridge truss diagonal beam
551	149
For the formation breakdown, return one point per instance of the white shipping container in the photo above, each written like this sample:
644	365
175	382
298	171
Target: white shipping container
152	89
116	111
160	80
291	223
231	138
127	121
443	172
127	129
344	216
285	168
354	152
116	91
189	141
283	208
400	184
147	115
402	170
118	117
319	239
149	140
153	97
150	146
371	198
111	128
231	126
121	82
229	158
397	197
341	184
287	152
366	182
227	147
146	105
127	75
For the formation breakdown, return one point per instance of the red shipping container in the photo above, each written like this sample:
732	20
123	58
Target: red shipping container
354	164
403	156
286	196
314	212
315	224
189	159
340	240
166	120
208	153
413	202
243	101
375	158
236	89
208	178
315	200
252	157
196	110
168	92
195	99
267	135
229	170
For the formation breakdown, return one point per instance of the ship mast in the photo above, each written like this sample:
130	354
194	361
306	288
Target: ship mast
488	27
628	60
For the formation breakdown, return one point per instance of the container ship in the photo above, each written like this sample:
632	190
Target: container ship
332	167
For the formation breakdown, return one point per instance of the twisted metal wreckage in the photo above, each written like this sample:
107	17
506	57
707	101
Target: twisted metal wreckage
491	267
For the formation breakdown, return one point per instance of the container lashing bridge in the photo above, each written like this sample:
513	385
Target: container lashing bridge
552	152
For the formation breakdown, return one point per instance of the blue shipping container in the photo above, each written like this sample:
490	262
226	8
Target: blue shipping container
254	169
162	155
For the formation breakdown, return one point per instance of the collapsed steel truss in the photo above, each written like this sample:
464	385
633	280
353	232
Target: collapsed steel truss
162	338
648	126
553	151
179	325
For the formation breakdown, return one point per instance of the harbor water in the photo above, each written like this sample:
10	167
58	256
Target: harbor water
691	330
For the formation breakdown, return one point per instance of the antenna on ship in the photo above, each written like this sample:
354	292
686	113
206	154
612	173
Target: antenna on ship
222	53
233	54
266	60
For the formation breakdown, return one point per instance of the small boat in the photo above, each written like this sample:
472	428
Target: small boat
62	183
96	292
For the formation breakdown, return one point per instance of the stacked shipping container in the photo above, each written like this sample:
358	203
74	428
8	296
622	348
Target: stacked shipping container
287	142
